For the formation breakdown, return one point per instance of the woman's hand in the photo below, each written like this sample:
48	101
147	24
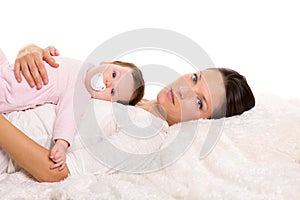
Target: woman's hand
30	63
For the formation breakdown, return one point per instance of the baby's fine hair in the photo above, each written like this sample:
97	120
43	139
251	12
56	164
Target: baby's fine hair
139	83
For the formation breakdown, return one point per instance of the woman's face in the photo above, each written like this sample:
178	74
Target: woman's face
192	96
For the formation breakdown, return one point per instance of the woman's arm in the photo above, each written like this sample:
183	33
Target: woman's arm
28	154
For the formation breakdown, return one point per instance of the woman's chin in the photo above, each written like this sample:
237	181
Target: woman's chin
162	96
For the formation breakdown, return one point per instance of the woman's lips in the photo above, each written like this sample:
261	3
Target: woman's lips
171	95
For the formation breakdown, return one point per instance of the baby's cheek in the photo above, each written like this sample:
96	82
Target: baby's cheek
105	95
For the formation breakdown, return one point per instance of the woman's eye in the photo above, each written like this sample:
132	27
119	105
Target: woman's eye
114	74
112	92
199	103
194	78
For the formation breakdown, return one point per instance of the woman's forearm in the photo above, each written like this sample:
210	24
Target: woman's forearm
28	154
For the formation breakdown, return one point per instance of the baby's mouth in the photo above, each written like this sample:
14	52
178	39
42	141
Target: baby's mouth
97	82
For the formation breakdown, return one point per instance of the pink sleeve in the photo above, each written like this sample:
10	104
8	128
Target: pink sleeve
3	59
65	125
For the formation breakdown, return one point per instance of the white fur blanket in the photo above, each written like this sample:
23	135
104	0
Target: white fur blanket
256	157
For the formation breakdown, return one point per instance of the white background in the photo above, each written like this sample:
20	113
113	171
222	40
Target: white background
260	39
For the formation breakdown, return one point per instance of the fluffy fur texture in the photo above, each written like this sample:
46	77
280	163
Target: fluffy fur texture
256	157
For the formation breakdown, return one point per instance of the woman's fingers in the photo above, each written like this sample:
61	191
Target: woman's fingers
35	72
24	68
52	50
47	56
39	72
30	63
17	72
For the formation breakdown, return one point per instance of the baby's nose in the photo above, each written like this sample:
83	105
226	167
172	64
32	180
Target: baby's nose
107	82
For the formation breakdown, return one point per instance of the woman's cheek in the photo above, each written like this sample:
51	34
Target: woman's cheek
189	110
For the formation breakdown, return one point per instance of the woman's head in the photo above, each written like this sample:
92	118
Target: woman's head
239	96
116	81
211	93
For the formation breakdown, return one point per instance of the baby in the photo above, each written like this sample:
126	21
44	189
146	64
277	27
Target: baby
112	81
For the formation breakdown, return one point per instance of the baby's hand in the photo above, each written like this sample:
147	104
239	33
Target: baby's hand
58	154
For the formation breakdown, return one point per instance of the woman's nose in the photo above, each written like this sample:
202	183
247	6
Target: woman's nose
185	92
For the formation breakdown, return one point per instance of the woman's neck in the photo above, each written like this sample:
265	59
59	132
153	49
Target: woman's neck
153	107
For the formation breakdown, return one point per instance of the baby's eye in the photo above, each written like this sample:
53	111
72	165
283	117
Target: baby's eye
199	103
114	74
112	92
194	78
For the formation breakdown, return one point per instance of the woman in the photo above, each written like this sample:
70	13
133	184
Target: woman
212	93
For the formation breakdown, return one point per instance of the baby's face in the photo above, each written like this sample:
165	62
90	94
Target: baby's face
118	81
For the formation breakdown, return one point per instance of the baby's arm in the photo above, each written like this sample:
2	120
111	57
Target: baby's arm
65	125
58	154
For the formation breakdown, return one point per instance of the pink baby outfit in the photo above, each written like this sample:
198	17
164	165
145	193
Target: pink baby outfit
3	60
59	91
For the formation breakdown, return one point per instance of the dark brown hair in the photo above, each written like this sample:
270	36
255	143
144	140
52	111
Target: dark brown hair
239	97
139	83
